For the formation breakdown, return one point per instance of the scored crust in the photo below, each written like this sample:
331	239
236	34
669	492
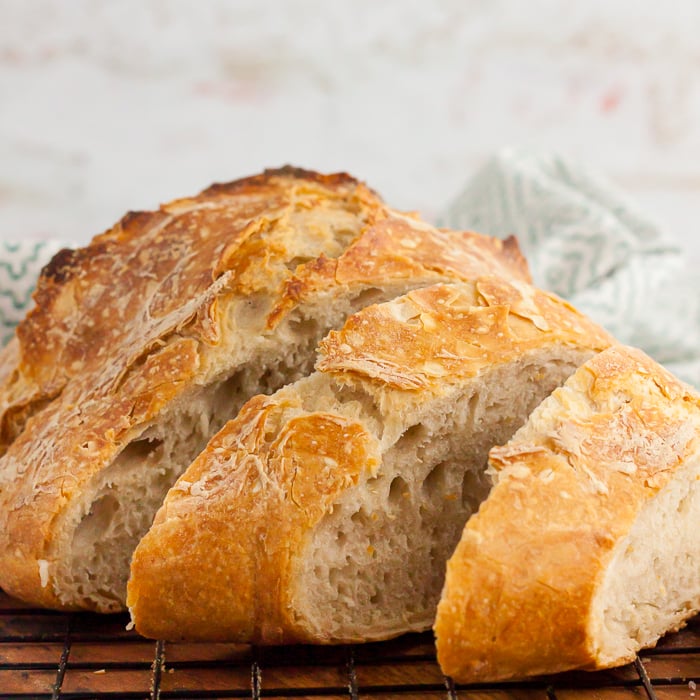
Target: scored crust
222	560
164	304
149	276
524	588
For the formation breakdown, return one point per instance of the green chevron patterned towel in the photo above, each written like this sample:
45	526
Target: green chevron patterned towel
583	240
20	264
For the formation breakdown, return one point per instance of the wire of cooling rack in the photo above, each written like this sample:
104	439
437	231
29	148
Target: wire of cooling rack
46	655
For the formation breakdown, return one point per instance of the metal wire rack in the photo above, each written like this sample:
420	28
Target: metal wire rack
48	655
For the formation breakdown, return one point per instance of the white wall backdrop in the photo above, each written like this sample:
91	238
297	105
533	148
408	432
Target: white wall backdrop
110	105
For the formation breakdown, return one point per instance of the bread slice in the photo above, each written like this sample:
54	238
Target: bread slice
144	343
326	512
587	549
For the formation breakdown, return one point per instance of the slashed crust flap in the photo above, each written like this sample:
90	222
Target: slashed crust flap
101	308
519	587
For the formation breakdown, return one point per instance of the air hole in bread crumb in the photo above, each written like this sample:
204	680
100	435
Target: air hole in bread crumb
333	576
345	592
367	296
377	598
473	409
297	260
304	327
141	449
435	481
397	490
475	488
97	520
416	434
359	518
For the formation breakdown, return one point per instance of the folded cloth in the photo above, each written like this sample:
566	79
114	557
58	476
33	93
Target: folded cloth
584	240
20	265
588	243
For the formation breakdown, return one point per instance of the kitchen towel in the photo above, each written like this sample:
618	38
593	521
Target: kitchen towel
586	241
583	239
20	265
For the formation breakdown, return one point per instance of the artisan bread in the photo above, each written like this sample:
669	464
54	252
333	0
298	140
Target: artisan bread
326	512
587	548
144	343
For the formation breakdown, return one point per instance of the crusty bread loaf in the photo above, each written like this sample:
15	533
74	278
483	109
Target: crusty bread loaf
326	512
144	343
587	548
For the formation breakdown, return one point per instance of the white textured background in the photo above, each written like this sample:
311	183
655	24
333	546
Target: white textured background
110	106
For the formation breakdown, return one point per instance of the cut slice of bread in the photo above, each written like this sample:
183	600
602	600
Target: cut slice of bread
326	512
144	343
588	547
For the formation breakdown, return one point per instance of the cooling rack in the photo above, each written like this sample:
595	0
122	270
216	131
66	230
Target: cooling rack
47	655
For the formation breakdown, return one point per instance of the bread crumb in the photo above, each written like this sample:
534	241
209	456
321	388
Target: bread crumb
100	671
43	572
692	685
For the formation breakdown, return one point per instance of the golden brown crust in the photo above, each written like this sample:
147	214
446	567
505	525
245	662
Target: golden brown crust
255	490
401	248
444	334
91	300
251	500
519	588
287	172
53	461
129	324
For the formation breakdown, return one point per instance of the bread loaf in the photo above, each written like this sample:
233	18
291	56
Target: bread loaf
326	512
587	548
147	341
